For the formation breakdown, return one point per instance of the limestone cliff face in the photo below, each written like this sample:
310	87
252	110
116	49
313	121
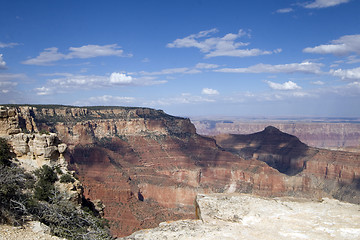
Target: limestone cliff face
147	166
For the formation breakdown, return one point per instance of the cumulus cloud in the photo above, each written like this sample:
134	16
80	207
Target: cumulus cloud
219	46
304	67
324	3
120	78
51	55
342	46
347	74
209	91
8	45
285	86
2	62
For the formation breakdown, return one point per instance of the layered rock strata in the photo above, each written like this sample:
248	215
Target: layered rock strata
147	167
331	135
239	216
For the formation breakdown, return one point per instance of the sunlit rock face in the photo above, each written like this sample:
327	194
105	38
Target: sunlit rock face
147	166
239	216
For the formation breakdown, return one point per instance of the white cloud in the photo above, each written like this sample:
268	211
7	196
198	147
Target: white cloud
206	66
7	45
347	74
304	67
209	91
8	81
115	100
12	77
44	91
90	51
285	10
185	98
216	46
318	83
2	62
47	57
289	85
342	46
352	59
171	71
120	78
51	55
69	82
325	3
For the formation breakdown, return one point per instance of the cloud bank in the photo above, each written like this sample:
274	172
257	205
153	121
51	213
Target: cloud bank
325	3
51	55
227	45
68	82
342	46
304	67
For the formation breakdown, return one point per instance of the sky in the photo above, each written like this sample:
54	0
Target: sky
250	58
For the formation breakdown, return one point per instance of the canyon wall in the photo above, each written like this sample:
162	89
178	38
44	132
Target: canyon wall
147	166
332	135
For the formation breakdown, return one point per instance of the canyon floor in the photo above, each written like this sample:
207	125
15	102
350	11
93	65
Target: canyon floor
240	216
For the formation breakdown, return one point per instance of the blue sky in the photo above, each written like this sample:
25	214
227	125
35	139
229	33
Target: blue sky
187	57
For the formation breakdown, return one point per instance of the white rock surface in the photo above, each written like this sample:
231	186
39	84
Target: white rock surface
240	216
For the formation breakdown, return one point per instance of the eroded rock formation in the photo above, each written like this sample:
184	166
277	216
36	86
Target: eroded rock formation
331	135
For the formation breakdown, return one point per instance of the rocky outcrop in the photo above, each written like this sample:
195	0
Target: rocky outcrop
334	172
38	149
332	135
239	216
147	167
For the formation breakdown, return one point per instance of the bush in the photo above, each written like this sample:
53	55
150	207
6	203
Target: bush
67	178
4	152
21	200
44	187
14	194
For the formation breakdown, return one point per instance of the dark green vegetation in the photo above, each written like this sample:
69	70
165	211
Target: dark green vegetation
25	196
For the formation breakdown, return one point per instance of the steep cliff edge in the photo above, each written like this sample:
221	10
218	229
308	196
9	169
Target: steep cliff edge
147	166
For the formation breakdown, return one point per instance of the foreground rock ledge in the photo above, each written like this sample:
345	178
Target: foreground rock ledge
240	216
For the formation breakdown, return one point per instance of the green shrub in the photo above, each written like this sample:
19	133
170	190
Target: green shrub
67	178
44	187
4	152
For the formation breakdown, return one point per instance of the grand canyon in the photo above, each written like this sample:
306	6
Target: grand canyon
147	167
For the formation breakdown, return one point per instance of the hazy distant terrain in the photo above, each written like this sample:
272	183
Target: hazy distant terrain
331	133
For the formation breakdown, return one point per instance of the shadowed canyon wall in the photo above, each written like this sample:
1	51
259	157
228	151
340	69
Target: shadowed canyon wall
330	135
